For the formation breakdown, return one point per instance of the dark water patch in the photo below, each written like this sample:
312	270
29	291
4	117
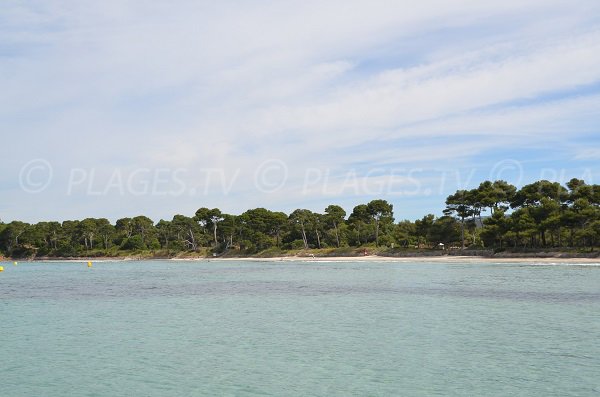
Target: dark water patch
145	289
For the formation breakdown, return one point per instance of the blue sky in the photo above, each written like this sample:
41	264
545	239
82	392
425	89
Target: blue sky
120	108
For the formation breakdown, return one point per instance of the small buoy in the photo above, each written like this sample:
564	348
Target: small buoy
15	263
89	264
1	269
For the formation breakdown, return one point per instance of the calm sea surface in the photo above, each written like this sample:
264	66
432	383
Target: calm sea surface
166	328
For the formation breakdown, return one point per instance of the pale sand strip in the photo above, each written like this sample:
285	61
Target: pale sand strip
429	259
365	259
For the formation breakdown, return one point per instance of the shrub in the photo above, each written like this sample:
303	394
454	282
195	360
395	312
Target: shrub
133	243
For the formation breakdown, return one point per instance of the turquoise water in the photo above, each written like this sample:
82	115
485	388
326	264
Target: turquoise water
168	328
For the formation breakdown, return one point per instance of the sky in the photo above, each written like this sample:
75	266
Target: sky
121	108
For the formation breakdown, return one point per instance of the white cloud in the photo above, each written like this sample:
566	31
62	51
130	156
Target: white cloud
588	154
405	96
204	84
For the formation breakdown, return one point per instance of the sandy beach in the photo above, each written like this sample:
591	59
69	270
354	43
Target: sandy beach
324	259
428	259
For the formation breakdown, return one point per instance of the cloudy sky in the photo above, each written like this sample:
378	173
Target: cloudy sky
118	108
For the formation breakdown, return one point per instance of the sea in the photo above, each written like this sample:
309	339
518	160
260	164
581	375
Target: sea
299	328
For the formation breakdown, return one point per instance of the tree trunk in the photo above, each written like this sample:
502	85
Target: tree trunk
337	236
304	235
192	240
571	237
543	236
17	239
559	237
462	231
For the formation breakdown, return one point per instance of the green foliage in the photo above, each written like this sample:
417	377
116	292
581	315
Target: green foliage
360	224
133	243
497	215
405	234
297	244
444	230
382	215
334	218
209	219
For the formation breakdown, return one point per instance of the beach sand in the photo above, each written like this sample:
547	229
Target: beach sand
355	259
428	259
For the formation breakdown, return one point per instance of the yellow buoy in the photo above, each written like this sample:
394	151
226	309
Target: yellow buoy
89	264
15	263
1	269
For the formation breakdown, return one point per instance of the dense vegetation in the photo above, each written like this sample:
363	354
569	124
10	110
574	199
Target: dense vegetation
495	215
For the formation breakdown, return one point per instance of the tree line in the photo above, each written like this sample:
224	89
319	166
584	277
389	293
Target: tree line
495	215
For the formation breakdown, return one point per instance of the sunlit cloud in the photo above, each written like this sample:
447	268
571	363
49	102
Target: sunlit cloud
343	87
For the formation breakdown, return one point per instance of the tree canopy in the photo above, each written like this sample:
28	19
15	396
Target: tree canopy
495	215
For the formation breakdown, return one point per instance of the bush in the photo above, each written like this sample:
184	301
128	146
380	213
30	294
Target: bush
385	241
154	244
24	251
247	246
133	243
270	252
297	244
67	250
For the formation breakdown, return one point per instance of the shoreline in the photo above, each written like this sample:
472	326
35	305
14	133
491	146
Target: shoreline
420	259
326	259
